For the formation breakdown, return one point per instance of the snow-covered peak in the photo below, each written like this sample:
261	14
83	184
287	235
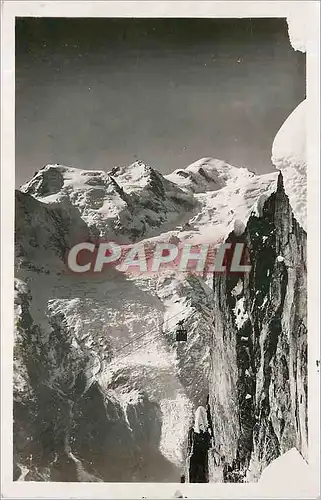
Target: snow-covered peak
229	208
289	156
136	201
136	175
53	178
98	198
207	174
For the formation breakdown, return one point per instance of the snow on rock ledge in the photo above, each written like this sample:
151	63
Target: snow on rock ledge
286	468
289	156
289	473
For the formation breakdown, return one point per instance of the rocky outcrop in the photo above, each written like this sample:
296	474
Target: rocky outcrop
258	382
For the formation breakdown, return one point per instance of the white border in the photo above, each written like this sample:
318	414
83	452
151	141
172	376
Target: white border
311	12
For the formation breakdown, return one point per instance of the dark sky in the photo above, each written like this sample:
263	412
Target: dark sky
94	93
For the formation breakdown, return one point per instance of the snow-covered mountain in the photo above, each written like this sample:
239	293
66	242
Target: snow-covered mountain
124	204
102	389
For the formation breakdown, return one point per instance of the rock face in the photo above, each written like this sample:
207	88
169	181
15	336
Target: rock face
258	382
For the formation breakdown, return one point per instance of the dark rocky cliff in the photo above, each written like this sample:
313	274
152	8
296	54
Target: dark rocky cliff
258	380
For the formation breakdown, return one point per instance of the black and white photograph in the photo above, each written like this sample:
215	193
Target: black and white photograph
161	275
